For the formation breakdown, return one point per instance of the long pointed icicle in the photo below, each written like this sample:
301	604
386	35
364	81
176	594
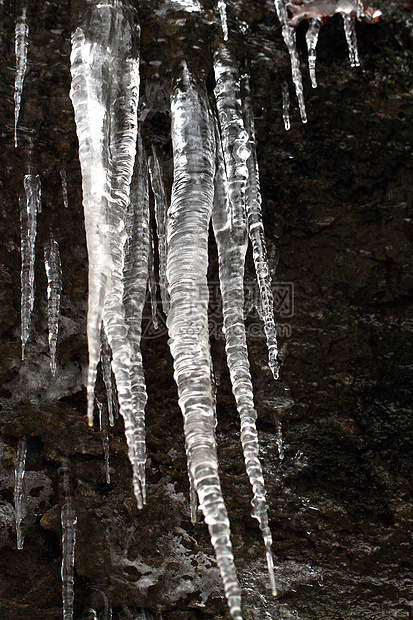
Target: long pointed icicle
311	38
231	284
29	208
257	237
351	38
21	44
68	520
288	34
105	92
18	489
161	207
54	288
188	223
135	282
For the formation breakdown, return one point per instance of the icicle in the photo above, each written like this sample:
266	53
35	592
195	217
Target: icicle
234	138
311	38
231	274
160	218
288	34
279	439
222	7
18	489
68	520
21	44
135	277
64	189
286	106
54	288
105	360
351	38
187	234
103	427
105	91
152	286
28	224
257	237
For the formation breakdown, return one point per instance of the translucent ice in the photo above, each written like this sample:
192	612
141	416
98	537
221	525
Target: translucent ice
158	190
29	206
311	38
54	287
21	44
18	488
351	38
187	236
288	34
68	520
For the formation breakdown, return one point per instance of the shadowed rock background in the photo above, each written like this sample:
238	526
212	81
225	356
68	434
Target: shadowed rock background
338	216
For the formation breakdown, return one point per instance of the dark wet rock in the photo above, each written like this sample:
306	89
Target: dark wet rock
338	218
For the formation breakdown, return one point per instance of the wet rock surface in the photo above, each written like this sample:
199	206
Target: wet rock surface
338	217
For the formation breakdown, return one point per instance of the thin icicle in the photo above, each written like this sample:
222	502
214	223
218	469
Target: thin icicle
279	439
135	277
288	34
234	138
68	520
188	223
286	105
21	44
257	236
222	7
311	38
104	430
64	188
54	288
351	38
161	207
231	275
18	489
105	361
152	285
28	226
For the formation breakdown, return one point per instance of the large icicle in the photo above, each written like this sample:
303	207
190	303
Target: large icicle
349	23
105	91
18	489
288	34
54	287
161	207
29	206
135	282
257	237
187	234
232	246
311	38
68	520
21	44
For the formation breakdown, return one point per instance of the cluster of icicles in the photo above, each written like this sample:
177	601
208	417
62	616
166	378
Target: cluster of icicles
215	182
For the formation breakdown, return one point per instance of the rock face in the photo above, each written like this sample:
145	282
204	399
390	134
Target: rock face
338	218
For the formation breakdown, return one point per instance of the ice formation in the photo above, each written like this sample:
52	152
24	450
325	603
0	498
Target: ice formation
286	106
68	520
351	38
30	204
54	287
288	34
21	44
104	93
104	429
222	7
65	196
19	490
187	237
311	38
